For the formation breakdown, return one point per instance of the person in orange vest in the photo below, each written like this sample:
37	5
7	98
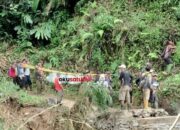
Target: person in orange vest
58	88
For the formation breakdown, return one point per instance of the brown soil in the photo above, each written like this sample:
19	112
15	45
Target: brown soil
65	117
69	116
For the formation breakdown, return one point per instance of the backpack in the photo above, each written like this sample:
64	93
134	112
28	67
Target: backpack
146	81
11	73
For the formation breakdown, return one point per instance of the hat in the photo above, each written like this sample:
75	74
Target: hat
151	71
122	66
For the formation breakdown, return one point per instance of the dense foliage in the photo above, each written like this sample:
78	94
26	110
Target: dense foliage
99	34
96	35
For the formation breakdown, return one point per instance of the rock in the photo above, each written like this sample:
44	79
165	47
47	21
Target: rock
144	113
128	120
52	101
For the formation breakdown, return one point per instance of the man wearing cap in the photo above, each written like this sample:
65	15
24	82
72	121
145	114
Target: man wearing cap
124	92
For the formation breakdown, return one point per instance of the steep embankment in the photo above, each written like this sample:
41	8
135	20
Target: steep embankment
82	116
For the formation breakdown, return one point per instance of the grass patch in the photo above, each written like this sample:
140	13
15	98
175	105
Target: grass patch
8	89
1	124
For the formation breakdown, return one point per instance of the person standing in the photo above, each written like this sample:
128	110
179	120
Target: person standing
12	72
154	89
124	92
146	87
28	82
39	76
108	82
21	76
167	52
58	88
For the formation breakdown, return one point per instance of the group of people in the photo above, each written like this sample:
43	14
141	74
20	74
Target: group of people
146	81
20	73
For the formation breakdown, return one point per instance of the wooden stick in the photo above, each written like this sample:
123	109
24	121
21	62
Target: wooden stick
174	123
78	122
29	119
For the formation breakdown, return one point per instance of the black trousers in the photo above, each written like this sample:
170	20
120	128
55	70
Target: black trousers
167	61
28	82
21	82
15	80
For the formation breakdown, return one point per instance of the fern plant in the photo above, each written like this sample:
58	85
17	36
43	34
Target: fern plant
42	31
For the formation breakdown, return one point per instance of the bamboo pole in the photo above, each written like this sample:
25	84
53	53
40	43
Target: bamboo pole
174	123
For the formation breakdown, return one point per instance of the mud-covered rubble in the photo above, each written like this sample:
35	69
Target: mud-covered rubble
141	113
133	120
84	116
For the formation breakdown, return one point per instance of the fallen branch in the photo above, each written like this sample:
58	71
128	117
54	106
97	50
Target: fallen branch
174	123
78	122
29	119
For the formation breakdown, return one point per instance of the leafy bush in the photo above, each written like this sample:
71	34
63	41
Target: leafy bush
169	94
98	94
176	56
171	86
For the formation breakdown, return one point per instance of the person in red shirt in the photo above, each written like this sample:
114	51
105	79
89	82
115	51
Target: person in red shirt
13	73
58	88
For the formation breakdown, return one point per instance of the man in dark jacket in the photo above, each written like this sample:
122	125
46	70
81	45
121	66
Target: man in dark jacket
124	92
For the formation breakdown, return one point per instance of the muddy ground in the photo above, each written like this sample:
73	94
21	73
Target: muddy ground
81	116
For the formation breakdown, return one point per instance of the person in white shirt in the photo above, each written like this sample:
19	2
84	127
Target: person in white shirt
20	73
28	82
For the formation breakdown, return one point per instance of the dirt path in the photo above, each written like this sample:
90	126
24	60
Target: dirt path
65	102
68	103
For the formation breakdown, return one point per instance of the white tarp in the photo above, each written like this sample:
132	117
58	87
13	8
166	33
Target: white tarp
70	79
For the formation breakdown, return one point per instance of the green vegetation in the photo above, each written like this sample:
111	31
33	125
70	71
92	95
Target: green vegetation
99	95
101	34
170	90
171	86
1	124
92	35
8	89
